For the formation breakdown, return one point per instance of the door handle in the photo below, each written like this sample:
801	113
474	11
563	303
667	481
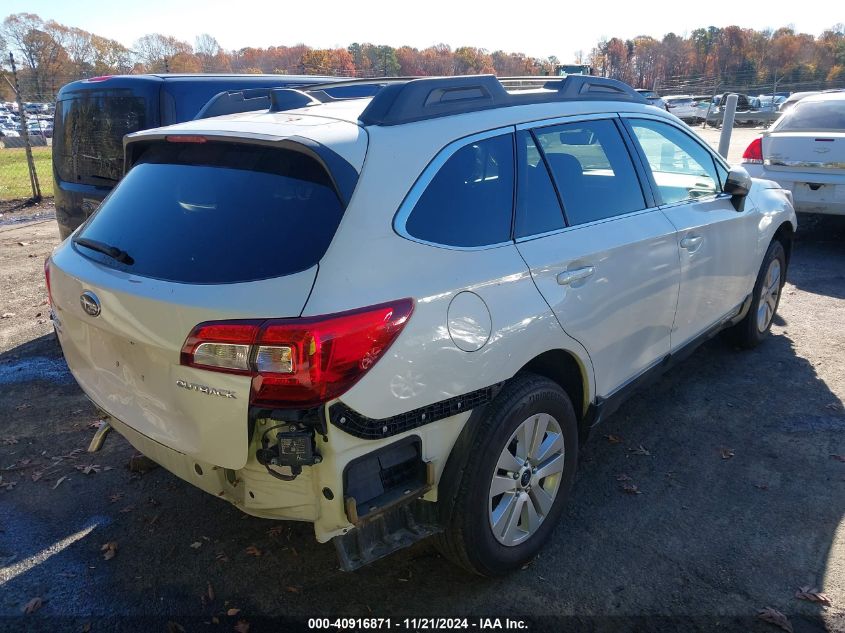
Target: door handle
577	274
692	243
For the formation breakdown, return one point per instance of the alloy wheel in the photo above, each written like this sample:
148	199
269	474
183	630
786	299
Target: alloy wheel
526	479
769	294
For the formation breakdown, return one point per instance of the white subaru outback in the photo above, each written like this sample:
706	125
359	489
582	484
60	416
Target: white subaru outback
398	316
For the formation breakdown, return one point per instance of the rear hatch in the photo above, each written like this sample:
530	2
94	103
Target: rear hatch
196	231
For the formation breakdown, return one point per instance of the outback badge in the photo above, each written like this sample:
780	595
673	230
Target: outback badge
211	391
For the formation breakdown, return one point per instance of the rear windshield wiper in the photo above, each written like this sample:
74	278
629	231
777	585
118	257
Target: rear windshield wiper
112	251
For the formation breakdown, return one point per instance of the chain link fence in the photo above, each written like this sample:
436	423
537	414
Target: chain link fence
26	136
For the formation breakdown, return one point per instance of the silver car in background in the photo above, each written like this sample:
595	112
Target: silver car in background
804	151
682	106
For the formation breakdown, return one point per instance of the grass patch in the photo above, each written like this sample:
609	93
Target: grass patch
14	175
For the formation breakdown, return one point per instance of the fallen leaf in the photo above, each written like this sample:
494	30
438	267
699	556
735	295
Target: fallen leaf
23	406
292	589
614	439
175	627
7	315
812	595
839	458
32	606
252	550
90	468
222	557
86	628
37	474
773	616
242	626
109	550
623	477
726	453
640	450
9	440
210	592
126	509
58	481
23	243
631	489
7	485
233	612
275	531
117	496
196	545
762	486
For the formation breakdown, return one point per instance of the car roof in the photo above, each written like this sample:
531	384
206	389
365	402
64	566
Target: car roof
826	96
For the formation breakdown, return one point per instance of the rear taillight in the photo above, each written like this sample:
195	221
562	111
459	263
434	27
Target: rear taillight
754	152
298	363
47	279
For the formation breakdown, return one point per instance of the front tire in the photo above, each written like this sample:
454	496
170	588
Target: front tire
517	468
755	327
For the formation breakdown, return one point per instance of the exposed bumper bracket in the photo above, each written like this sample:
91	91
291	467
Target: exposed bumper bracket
99	437
386	533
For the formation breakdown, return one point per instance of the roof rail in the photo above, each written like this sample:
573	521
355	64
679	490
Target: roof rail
229	102
433	97
397	100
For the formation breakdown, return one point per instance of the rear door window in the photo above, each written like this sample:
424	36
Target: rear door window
537	205
218	213
469	202
592	170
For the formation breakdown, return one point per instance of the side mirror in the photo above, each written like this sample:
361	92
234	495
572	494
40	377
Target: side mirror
738	185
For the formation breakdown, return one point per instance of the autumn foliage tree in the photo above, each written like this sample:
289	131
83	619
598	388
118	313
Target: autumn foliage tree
51	54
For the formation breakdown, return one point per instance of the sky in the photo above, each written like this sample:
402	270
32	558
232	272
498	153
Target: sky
541	29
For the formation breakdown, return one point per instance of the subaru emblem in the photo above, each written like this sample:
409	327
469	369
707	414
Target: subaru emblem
90	303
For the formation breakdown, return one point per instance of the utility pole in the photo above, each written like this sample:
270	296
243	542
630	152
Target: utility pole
33	175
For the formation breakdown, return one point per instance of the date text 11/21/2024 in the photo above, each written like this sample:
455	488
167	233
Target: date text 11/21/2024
417	624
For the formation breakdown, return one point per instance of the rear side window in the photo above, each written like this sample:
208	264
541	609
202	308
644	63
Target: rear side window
592	169
469	202
814	116
218	213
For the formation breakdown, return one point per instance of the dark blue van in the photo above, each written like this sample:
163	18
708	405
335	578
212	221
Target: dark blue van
93	115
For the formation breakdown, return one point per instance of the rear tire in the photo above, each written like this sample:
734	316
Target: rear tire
755	327
509	477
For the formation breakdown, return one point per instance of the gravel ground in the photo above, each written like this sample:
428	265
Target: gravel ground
742	502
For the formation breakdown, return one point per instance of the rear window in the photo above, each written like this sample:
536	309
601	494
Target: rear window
217	213
88	139
814	116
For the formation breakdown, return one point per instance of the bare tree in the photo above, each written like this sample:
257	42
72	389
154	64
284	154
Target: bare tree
156	51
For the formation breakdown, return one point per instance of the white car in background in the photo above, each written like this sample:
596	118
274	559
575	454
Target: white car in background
682	106
399	316
804	151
